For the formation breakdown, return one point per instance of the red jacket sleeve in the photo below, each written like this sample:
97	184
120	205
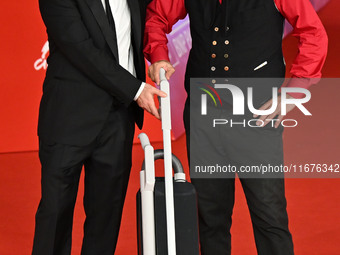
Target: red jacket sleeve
313	41
161	15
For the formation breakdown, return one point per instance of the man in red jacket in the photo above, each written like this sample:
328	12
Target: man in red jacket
240	39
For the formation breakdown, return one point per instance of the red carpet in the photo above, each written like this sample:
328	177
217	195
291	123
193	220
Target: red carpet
313	207
313	204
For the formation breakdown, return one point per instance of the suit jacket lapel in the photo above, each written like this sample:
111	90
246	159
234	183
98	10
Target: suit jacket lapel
98	11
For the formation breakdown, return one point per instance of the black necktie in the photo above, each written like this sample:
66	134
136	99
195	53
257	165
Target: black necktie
109	15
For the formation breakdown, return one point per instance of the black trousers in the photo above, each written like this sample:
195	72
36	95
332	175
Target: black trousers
265	196
107	164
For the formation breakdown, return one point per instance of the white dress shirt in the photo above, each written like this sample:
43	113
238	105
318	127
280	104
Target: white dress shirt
122	18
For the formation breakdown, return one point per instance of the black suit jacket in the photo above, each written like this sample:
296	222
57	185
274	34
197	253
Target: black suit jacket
83	78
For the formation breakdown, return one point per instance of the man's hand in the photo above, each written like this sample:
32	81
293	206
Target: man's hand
267	118
146	99
153	71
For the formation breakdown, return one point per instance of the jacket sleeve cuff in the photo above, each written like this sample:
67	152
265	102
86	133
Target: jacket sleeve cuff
159	53
139	91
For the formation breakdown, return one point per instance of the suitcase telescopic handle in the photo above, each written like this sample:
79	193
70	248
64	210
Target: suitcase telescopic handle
165	102
168	180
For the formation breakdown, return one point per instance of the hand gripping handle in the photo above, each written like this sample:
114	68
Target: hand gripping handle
165	101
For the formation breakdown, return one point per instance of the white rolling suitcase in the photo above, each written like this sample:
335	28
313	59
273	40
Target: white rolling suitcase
167	222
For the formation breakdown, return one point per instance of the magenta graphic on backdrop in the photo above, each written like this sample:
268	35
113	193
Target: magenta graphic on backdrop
179	47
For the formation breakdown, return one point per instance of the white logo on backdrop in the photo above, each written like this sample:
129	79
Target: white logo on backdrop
41	62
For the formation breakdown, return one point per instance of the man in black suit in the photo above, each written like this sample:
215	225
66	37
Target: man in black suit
87	116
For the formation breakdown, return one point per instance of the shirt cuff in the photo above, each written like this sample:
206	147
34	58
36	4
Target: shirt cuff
159	53
305	83
139	91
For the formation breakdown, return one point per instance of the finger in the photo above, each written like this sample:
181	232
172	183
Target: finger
169	72
150	72
261	120
146	108
156	75
279	119
271	117
265	122
159	113
159	92
265	106
153	110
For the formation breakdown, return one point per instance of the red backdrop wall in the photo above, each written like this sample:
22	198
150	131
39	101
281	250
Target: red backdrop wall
20	87
22	72
23	51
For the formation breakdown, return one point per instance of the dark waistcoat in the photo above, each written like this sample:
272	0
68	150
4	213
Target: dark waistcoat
234	38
